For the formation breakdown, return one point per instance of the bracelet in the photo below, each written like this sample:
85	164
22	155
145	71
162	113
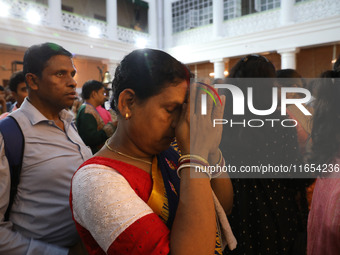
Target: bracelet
218	173
189	156
220	158
181	166
220	163
195	161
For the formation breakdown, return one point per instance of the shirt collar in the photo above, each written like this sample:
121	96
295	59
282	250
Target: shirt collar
35	116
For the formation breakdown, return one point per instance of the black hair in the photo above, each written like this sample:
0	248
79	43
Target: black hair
242	75
326	119
336	66
16	78
146	72
288	73
36	56
89	87
259	73
289	78
253	66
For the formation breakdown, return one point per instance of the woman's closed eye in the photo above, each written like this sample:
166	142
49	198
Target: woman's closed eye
170	110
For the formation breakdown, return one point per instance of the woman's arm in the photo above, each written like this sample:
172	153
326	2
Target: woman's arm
194	228
222	185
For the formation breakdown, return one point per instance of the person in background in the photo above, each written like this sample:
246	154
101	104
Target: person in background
76	105
18	88
3	106
324	216
90	124
291	78
40	220
105	114
336	66
267	217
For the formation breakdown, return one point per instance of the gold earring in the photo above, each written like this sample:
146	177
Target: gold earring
126	116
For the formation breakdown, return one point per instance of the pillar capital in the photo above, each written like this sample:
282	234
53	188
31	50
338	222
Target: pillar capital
216	60
288	50
288	58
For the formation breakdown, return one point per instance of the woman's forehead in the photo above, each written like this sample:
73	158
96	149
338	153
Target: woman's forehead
175	92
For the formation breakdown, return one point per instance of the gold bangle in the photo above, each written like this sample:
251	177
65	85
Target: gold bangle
188	156
191	165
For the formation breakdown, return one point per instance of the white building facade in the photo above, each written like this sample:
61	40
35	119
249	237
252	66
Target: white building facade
193	31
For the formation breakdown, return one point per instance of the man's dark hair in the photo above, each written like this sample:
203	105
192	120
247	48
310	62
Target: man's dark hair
16	78
89	87
147	72
36	56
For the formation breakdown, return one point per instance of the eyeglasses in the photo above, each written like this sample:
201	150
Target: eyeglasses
254	57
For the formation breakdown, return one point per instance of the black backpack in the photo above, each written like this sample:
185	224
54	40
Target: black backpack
14	149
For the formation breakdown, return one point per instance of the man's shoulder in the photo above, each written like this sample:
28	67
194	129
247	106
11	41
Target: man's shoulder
87	109
19	114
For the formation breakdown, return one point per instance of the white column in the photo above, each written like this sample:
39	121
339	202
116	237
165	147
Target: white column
168	23
287	12
288	58
218	68
160	22
217	18
152	22
54	13
111	19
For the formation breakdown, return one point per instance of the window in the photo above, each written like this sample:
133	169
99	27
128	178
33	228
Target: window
188	14
232	9
264	5
133	14
67	8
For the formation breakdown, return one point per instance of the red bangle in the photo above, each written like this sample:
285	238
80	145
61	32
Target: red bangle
184	161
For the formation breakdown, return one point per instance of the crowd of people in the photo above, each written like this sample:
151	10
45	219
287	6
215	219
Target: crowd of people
133	179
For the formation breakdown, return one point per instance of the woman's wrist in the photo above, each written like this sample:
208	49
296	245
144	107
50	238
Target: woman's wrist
214	156
192	161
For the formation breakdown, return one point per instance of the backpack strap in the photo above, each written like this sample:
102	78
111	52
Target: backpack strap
14	149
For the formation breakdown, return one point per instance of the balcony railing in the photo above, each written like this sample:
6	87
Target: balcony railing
19	10
252	23
79	24
131	36
316	9
304	11
72	22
